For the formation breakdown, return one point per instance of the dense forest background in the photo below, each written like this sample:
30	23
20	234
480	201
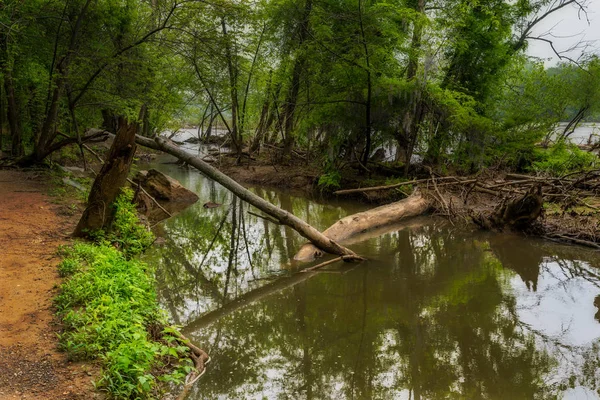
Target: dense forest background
448	82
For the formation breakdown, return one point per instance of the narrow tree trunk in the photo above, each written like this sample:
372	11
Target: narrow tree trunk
48	132
572	125
265	121
12	114
322	242
1	117
108	183
289	108
236	139
414	111
109	121
368	122
144	118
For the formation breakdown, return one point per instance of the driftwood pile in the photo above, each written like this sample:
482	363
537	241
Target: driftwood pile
516	202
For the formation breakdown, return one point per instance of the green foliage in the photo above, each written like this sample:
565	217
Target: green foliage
108	308
109	311
323	75
563	158
126	232
330	181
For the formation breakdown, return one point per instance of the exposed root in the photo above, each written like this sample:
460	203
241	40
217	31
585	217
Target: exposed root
200	359
559	208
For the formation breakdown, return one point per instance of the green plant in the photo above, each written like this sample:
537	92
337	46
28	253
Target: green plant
108	307
126	232
330	180
563	158
109	310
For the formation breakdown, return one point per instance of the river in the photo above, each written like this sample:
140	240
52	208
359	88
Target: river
436	312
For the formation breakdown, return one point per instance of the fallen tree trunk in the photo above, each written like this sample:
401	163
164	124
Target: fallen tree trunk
346	228
320	241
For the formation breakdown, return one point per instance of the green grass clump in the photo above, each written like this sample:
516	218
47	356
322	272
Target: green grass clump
126	232
109	310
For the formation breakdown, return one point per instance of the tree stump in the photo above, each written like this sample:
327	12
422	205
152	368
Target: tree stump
111	178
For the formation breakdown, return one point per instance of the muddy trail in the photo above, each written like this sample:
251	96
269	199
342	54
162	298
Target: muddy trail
31	229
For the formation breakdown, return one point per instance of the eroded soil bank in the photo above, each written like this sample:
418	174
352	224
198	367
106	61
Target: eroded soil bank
31	367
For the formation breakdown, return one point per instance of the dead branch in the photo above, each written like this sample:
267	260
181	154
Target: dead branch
309	232
128	180
200	359
332	261
395	185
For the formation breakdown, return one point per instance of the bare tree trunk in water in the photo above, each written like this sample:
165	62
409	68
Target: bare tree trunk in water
321	241
110	179
232	247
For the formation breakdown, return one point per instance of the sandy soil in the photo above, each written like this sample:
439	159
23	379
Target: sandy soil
31	367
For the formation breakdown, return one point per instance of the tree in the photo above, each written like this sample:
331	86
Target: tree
99	213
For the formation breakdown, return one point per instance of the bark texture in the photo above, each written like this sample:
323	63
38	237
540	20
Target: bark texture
346	228
110	179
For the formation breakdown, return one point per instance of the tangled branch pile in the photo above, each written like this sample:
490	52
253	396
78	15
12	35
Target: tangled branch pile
565	208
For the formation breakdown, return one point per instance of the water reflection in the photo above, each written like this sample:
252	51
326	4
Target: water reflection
437	312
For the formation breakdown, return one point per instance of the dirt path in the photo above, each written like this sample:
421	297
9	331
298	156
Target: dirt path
31	367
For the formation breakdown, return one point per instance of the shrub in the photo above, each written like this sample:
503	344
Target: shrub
126	232
110	313
563	158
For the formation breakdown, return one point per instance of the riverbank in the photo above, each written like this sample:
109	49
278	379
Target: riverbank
32	228
570	204
570	214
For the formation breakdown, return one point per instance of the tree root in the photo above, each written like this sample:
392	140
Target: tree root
200	359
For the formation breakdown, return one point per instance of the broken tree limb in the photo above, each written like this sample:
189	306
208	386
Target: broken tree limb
518	213
320	241
200	359
395	185
355	224
329	262
107	185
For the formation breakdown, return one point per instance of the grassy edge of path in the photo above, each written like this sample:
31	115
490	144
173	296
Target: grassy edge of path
109	310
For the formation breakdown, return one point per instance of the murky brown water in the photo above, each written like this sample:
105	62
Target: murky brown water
436	312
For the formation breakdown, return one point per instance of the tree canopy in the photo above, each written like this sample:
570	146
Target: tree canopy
443	81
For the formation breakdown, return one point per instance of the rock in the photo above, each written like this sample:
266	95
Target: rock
163	187
168	192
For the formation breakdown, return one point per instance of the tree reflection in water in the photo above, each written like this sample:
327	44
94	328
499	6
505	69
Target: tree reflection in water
436	312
